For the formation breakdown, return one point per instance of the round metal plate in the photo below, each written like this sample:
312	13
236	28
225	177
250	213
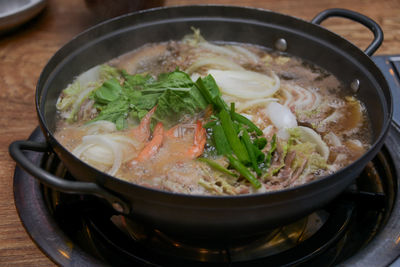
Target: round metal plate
16	12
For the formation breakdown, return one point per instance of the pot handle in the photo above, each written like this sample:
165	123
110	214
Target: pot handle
16	151
364	20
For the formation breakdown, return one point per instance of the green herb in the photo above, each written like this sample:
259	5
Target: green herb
174	94
174	81
172	105
237	165
204	91
232	136
210	91
108	92
250	150
241	119
209	124
138	81
211	86
114	111
260	143
260	156
217	166
107	72
220	140
271	150
82	88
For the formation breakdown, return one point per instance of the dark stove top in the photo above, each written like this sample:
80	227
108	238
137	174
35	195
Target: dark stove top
359	228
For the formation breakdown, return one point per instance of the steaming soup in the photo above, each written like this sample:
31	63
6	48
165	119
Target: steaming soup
194	117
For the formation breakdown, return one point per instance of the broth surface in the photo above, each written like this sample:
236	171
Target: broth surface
311	126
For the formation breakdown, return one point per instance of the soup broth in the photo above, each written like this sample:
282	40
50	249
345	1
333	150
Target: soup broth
195	117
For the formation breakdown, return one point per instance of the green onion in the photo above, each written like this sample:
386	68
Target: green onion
210	124
220	140
219	103
260	142
250	149
217	166
236	126
204	91
239	118
233	139
271	150
244	171
260	156
216	100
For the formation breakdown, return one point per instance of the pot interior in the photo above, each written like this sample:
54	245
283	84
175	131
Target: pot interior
217	23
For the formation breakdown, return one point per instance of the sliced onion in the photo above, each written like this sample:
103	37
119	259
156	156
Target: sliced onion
281	116
309	135
100	127
82	96
247	116
99	155
102	141
333	118
215	62
89	76
245	52
306	98
268	131
195	76
101	150
332	139
288	98
300	98
243	106
246	84
218	49
81	148
283	134
124	139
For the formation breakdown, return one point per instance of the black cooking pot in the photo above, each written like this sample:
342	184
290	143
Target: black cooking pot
210	216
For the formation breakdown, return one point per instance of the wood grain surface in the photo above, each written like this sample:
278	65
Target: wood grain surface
25	51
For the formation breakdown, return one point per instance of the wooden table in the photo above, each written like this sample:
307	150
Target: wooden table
25	51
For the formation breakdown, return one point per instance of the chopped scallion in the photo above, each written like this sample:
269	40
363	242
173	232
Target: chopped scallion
217	166
232	136
236	164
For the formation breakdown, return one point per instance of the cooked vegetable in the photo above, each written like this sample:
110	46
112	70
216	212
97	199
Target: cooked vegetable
282	118
231	135
210	92
270	152
219	62
220	140
260	143
245	84
217	167
174	93
244	171
250	150
108	92
305	134
241	119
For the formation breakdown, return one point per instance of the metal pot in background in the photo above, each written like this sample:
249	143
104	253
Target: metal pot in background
17	12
